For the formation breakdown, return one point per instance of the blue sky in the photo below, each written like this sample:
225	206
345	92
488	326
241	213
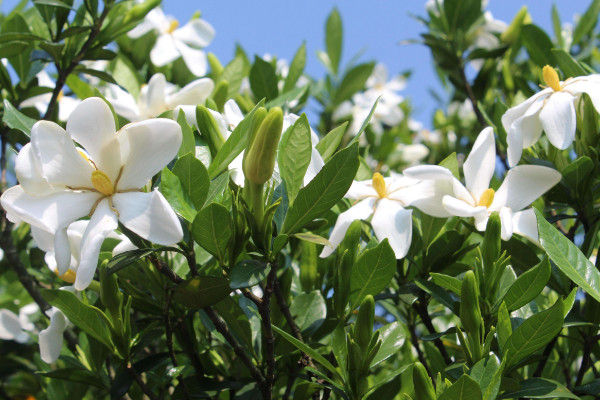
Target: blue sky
376	28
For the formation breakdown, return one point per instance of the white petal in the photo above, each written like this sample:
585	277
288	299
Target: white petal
233	114
59	161
62	251
194	59
361	210
140	30
66	106
195	92
92	125
51	338
10	326
29	173
197	32
391	221
51	212
423	172
525	224
360	190
164	51
155	96
152	145
343	110
589	84
506	219
523	185
558	119
480	164
514	113
125	245
103	222
461	208
190	114
42	238
149	215
514	150
315	165
123	103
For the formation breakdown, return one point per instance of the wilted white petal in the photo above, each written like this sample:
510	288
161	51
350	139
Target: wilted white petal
522	185
149	215
480	164
152	145
361	210
103	221
391	221
558	119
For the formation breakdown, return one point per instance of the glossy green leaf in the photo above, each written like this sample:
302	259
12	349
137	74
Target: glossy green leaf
465	388
447	282
324	191
538	45
309	311
392	338
14	119
587	22
330	143
528	286
294	156
202	291
312	238
534	333
567	64
212	229
451	163
263	80
568	258
540	388
194	178
333	39
188	144
178	198
87	318
248	273
487	374
504	327
296	69
233	73
461	14
354	81
372	272
75	375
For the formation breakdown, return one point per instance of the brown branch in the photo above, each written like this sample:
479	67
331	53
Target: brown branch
140	382
421	307
169	334
415	342
164	269
63	74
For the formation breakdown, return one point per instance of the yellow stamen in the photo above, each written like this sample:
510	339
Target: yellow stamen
487	197
174	24
102	183
68	276
379	184
551	78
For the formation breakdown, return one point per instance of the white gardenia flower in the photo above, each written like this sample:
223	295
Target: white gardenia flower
15	327
551	110
174	42
385	199
522	185
157	97
60	183
229	120
66	104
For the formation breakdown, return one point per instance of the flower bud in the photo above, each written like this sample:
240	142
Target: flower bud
260	159
363	329
140	10
219	95
513	32
209	129
491	245
216	68
110	295
470	314
422	383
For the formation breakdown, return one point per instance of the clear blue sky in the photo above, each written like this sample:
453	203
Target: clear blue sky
376	27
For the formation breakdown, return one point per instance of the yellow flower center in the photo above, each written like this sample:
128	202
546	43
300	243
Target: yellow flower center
174	24
68	276
487	197
379	185
102	183
551	78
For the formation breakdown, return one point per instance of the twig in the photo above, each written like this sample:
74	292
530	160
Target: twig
164	269
63	74
415	342
140	382
585	361
421	309
169	334
222	328
545	356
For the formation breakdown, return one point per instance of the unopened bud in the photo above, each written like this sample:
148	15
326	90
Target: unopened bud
513	32
470	314
216	68
140	10
219	95
422	383
260	159
209	129
363	329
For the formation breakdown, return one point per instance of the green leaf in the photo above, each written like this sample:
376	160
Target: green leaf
14	119
202	291
575	173
312	238
364	126
285	99
316	356
248	273
294	156
324	191
309	311
125	75
392	338
587	22
330	143
465	388
188	144
263	80
80	88
568	258
354	81
233	73
122	260
212	229
567	64
296	68
451	163
504	328
534	333
193	177
234	145
217	188
172	189
487	373
333	39
447	282
541	388
78	375
88	318
538	45
461	14
528	286
372	272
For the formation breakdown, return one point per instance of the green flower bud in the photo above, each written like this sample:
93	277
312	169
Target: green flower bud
216	68
219	95
490	248
363	329
260	158
513	32
140	10
209	129
470	314
422	383
308	266
110	295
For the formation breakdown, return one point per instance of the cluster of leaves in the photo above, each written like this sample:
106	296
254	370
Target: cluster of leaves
243	307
